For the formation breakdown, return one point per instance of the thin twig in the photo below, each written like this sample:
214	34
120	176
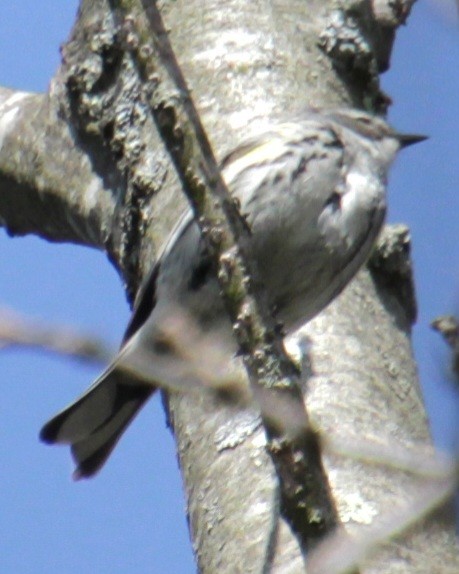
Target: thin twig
306	500
19	331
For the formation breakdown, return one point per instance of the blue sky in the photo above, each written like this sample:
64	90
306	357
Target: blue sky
131	518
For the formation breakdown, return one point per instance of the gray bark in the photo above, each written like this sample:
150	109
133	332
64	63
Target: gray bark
84	164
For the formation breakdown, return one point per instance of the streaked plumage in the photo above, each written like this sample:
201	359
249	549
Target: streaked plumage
313	194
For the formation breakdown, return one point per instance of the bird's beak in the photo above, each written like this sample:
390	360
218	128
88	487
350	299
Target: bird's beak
410	139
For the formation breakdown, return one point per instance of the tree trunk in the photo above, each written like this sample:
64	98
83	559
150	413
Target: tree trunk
85	164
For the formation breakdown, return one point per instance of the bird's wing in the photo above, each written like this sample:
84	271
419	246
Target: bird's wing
146	298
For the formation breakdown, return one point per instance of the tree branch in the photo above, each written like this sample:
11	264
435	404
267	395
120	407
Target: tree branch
18	331
248	64
305	497
47	185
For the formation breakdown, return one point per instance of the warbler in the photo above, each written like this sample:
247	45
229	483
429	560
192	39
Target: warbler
313	193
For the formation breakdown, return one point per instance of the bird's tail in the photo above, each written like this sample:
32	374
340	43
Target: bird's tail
94	423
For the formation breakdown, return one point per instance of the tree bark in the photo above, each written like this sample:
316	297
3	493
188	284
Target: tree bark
85	164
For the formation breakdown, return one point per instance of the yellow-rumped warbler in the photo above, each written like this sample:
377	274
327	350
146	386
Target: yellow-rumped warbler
313	193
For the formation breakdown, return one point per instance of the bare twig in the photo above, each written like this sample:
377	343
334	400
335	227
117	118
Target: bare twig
305	495
422	462
19	331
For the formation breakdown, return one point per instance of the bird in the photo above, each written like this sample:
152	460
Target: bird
313	192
